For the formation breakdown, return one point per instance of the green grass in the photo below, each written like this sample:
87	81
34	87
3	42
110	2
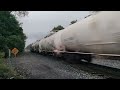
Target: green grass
7	72
2	54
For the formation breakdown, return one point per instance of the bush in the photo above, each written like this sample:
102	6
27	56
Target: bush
7	72
2	54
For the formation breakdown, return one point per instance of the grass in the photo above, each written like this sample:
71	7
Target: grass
7	72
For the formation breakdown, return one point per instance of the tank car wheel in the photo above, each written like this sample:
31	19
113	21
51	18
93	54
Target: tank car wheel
72	58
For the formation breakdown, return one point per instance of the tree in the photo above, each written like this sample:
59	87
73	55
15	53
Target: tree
11	33
92	13
16	41
72	22
19	13
2	42
56	29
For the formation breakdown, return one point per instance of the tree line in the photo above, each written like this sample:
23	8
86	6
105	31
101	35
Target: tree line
60	27
11	31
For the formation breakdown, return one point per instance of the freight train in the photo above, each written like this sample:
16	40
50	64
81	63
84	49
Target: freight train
98	34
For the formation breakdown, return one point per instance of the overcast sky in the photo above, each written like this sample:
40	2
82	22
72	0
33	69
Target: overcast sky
38	23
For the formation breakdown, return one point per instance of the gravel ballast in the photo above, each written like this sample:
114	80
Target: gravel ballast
36	66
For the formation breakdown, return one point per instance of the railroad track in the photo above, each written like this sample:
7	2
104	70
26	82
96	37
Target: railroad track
100	70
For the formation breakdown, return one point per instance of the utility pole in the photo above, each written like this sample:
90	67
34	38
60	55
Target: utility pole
9	53
10	63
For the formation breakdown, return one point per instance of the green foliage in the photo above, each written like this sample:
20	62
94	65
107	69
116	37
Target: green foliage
72	22
59	27
15	41
56	29
11	33
7	72
2	54
20	13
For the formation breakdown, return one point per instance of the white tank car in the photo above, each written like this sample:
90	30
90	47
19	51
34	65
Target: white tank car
58	43
47	44
33	47
40	45
98	33
36	46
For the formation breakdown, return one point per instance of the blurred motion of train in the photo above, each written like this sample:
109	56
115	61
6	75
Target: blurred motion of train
97	34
